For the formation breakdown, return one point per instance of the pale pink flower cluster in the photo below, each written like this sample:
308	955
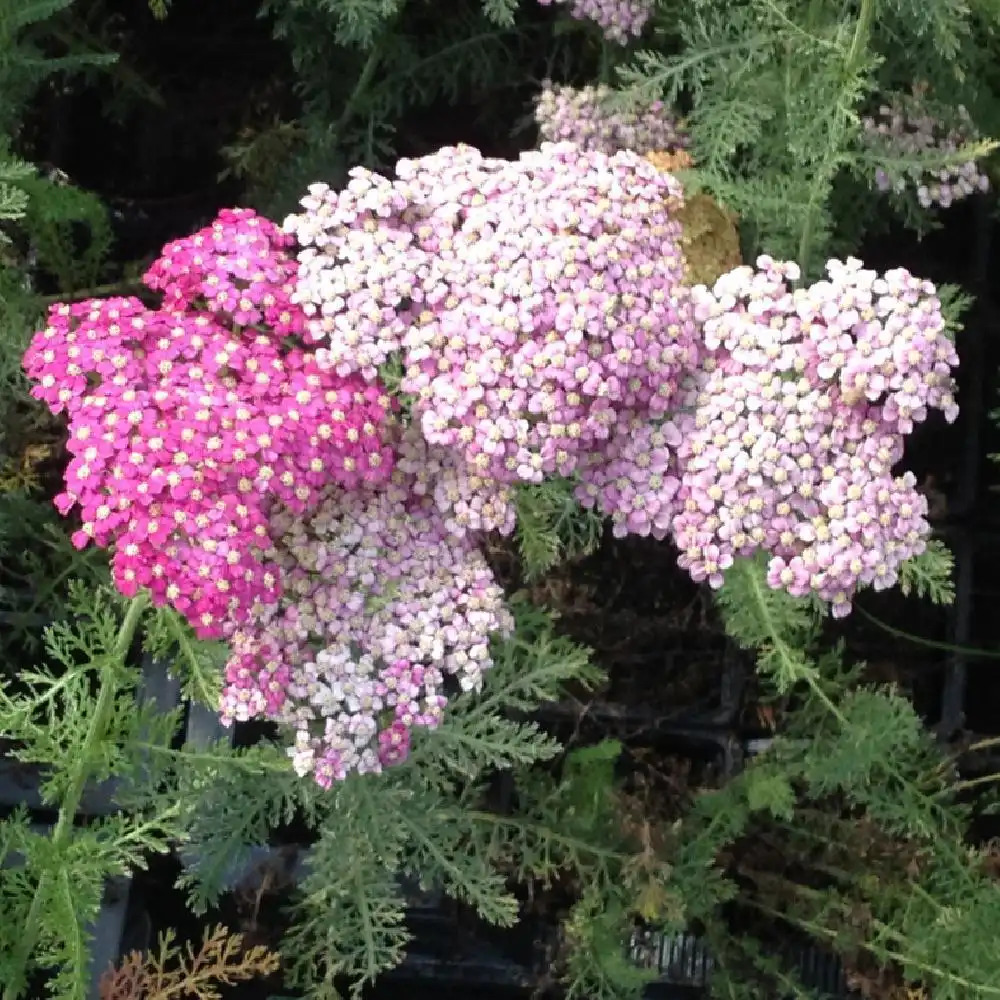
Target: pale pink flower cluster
905	128
620	20
799	421
634	478
385	612
586	117
532	304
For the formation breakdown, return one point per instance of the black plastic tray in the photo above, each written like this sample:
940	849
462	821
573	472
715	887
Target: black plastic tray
684	961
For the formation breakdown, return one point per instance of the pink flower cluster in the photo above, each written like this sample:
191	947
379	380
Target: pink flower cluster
532	304
584	116
383	609
238	450
237	269
634	478
904	127
620	20
188	422
791	431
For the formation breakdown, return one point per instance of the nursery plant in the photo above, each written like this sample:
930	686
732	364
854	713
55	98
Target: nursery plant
300	443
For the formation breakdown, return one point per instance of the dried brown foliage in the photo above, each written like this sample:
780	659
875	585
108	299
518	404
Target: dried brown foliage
709	238
175	971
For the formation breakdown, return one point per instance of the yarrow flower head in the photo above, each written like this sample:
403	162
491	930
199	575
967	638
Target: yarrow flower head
800	419
468	501
384	612
586	117
360	271
529	302
238	268
186	427
620	20
905	127
633	478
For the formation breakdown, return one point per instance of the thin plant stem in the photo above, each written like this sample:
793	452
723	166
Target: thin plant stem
859	45
95	292
79	774
884	953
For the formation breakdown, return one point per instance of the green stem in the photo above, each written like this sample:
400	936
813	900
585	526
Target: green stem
855	53
97	291
979	746
783	648
964	786
946	647
362	84
884	953
79	774
604	74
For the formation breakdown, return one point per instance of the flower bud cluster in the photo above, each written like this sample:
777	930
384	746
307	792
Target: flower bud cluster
384	611
620	20
800	418
585	116
186	426
906	128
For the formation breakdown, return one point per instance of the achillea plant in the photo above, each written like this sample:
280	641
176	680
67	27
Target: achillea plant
236	447
301	449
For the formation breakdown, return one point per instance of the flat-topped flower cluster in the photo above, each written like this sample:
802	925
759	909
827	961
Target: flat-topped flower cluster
906	126
382	603
799	421
240	451
187	422
532	306
621	21
587	117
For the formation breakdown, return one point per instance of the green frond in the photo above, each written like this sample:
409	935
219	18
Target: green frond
13	197
929	575
351	923
769	791
69	905
500	12
778	627
354	22
199	664
955	303
598	966
25	63
899	166
437	854
350	914
944	23
552	527
232	800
